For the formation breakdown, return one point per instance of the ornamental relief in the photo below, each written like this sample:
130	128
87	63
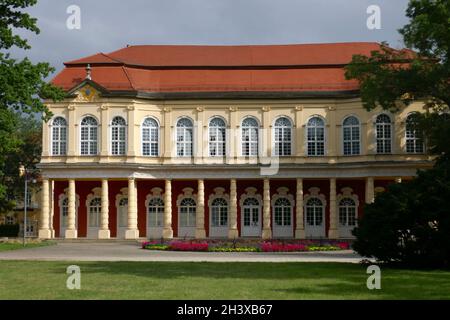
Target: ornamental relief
87	94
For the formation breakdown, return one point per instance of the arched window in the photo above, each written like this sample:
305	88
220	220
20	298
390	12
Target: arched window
156	212
89	138
187	212
118	136
314	212
250	137
150	138
383	131
219	213
250	207
283	137
351	136
316	136
282	212
347	212
414	143
217	130
185	131
59	137
95	208
123	212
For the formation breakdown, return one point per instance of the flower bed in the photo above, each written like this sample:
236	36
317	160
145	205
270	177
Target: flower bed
246	246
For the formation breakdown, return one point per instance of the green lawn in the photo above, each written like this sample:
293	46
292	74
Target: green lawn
7	246
173	280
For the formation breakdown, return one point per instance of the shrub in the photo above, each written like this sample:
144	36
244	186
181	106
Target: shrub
9	230
410	222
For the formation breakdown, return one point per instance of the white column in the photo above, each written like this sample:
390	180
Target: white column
370	190
267	232
71	231
300	225
52	206
44	229
104	232
168	232
233	232
200	232
333	233
132	231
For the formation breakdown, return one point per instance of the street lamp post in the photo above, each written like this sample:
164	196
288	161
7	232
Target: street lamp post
23	172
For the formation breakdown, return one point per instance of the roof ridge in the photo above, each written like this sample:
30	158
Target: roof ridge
128	77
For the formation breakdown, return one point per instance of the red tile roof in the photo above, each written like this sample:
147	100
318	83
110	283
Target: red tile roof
161	68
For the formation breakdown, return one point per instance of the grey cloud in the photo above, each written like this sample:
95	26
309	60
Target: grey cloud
108	25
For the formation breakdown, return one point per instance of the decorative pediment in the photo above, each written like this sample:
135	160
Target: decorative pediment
87	91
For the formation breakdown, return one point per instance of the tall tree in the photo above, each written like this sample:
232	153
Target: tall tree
392	79
22	83
410	222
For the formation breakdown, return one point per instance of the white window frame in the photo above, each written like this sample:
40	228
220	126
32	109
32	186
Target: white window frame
156	194
315	141
415	140
217	143
283	230
89	141
258	138
189	230
383	139
59	141
192	142
344	126
283	129
151	142
118	141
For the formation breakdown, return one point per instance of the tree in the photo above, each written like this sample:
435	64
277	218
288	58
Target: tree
22	84
410	222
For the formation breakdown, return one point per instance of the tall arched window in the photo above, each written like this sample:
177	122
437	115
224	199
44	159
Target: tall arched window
219	213
414	143
314	212
59	137
89	136
283	137
187	212
95	208
155	212
383	131
316	136
118	136
250	137
282	212
351	136
347	212
150	138
217	131
185	132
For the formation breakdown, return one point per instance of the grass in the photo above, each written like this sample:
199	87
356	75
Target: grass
7	246
202	280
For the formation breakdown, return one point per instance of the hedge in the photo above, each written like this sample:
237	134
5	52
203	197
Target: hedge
9	230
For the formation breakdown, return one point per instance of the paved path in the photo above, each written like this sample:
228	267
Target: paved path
97	251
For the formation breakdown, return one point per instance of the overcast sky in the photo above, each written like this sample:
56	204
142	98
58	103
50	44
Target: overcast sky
107	25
